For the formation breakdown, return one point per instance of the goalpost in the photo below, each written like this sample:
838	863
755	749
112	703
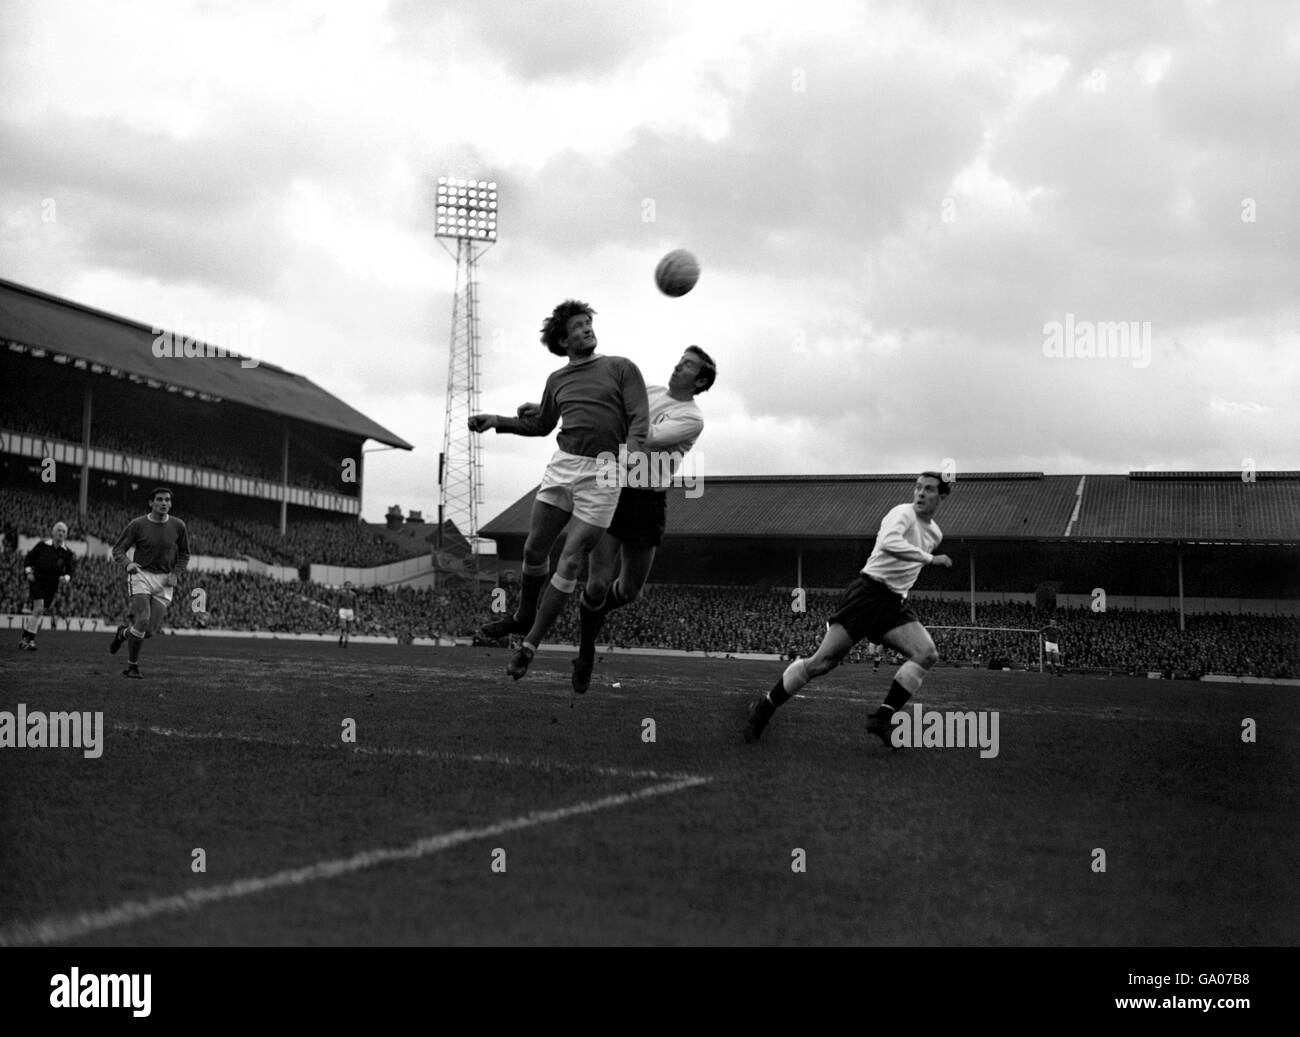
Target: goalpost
995	630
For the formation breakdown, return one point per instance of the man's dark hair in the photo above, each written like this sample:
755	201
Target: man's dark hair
556	326
158	490
945	487
708	369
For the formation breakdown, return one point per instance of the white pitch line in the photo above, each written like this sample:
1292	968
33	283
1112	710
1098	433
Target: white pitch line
424	754
54	930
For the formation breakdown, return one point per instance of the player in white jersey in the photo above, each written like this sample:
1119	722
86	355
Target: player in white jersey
875	606
619	565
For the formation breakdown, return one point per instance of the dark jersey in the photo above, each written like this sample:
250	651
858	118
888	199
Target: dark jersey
48	562
160	547
603	404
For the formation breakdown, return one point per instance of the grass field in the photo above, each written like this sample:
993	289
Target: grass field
236	747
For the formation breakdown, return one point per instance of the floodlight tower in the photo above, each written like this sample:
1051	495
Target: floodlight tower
467	213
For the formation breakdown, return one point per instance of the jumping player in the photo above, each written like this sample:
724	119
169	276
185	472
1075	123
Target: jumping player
620	562
49	564
347	612
162	552
602	400
875	606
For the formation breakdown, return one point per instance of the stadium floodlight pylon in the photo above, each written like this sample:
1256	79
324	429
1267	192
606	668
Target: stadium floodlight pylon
466	213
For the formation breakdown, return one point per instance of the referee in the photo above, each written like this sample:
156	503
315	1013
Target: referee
48	564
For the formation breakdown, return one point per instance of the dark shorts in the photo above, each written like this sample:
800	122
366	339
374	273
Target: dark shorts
43	590
870	610
640	518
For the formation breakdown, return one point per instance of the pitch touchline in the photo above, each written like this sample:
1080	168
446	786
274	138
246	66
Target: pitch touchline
52	930
425	754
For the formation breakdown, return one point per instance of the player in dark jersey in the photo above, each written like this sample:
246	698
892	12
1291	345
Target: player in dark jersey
875	606
1052	647
602	400
48	565
347	612
161	553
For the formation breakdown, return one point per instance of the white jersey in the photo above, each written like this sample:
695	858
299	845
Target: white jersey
675	425
904	546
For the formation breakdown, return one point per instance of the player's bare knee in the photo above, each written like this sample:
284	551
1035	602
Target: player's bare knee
567	567
925	657
534	554
597	589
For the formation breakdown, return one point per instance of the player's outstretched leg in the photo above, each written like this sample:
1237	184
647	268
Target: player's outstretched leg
633	562
915	643
119	638
532	584
581	537
545	525
834	647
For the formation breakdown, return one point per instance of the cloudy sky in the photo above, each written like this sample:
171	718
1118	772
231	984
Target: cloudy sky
911	217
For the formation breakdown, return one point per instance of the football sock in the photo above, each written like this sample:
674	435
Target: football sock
554	598
613	599
906	681
794	678
591	620
531	583
777	695
134	640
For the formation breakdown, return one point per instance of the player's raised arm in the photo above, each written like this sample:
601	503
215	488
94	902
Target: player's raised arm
527	423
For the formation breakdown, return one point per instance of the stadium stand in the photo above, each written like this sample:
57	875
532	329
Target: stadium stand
1209	562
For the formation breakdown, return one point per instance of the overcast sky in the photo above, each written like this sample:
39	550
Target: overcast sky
900	210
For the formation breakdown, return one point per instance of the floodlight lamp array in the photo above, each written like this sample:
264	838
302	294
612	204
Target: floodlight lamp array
466	209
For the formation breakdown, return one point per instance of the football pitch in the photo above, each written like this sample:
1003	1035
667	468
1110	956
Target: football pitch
229	807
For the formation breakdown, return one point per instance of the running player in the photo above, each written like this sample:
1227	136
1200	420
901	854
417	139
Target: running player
1052	647
875	606
602	400
49	564
162	552
347	612
620	562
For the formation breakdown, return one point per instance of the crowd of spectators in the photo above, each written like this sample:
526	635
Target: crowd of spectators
345	542
714	620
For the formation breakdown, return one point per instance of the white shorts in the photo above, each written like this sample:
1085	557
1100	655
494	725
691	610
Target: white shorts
571	484
151	584
346	614
1051	648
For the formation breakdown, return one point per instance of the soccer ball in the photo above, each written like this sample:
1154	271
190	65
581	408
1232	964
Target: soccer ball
677	272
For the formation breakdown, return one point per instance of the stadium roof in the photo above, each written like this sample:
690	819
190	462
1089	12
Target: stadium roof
1169	507
40	321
